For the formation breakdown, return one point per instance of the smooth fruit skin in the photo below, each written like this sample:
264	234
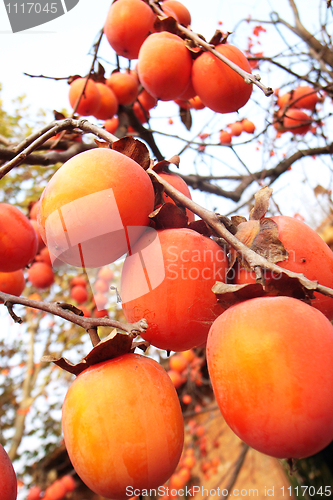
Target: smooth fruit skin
164	66
296	121
219	87
90	100
94	207
308	254
18	239
41	275
12	283
124	86
8	481
270	363
123	425
177	182
173	291
109	103
127	25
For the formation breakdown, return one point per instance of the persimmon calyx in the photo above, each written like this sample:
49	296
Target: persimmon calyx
114	345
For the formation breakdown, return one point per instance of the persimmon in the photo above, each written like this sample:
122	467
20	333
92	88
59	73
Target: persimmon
44	256
235	128
78	281
41	243
147	100
142	115
8	481
72	214
33	210
105	273
176	378
41	275
177	182
270	357
296	121
131	437
109	102
34	493
177	10
13	282
219	87
164	66
101	286
196	103
89	101
69	482
225	137
79	294
305	97
174	292
124	86
248	126
178	363
308	254
127	25
18	239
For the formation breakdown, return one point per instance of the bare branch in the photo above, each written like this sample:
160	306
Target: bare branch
57	309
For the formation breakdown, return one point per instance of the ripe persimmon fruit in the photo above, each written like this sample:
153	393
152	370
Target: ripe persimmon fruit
13	282
133	430
90	99
296	121
147	100
74	204
177	182
219	87
111	124
176	9
109	102
164	66
270	363
308	254
18	239
41	275
127	25
305	97
124	86
79	293
8	480
173	289
225	137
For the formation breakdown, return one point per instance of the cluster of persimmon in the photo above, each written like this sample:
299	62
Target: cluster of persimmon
79	292
295	110
235	129
168	67
56	491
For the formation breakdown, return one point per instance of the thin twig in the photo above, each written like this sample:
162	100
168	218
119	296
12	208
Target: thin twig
58	309
248	77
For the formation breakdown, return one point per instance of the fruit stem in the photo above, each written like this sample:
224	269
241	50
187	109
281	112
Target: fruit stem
94	337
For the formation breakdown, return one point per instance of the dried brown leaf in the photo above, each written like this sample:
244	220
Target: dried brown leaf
186	117
114	345
261	203
135	149
267	242
102	144
169	216
201	227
